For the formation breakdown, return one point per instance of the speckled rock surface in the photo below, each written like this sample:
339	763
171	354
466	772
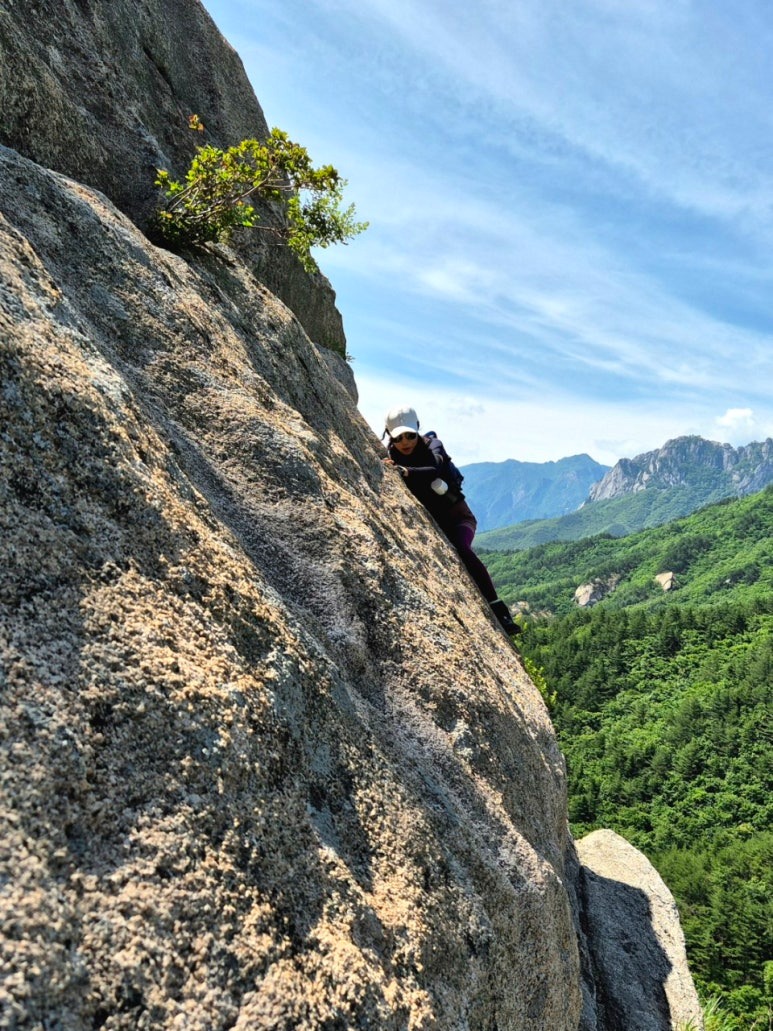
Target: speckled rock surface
637	946
266	760
101	90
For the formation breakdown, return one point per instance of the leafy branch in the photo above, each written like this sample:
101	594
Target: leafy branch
220	186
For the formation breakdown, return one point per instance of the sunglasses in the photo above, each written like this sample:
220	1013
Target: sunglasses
404	436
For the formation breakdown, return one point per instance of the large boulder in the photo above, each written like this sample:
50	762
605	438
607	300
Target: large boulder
640	976
666	580
267	760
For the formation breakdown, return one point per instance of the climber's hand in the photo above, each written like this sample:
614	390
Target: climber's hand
403	469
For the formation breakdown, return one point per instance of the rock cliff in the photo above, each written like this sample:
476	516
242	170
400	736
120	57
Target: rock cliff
714	470
102	92
267	762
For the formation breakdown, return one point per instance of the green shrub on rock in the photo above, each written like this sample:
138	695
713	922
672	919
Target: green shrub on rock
220	186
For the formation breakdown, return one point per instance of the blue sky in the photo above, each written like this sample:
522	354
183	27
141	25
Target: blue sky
570	204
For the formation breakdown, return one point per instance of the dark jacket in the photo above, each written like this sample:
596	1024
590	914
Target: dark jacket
428	462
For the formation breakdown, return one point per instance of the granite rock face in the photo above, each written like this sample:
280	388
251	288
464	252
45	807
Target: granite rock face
267	761
101	90
596	590
666	580
641	977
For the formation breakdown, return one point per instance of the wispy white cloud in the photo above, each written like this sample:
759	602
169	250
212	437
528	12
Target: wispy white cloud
740	425
735	417
657	90
539	277
477	428
568	203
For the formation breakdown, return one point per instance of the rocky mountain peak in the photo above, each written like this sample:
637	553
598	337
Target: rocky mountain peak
690	461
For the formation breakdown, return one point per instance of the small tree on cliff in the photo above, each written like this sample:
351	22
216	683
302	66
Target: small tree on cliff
220	185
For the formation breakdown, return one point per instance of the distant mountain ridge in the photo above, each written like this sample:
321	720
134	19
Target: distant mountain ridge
503	493
690	461
649	490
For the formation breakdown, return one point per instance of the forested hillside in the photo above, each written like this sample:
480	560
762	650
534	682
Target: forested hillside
615	517
663	705
721	553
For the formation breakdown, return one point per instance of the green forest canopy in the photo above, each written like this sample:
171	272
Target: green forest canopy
663	709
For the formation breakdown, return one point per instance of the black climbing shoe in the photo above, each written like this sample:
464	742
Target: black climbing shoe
506	621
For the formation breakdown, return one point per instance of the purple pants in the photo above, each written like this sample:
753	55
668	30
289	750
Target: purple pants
461	534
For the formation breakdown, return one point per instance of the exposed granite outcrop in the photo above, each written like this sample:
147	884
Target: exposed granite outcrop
268	762
637	947
666	580
595	590
691	463
102	91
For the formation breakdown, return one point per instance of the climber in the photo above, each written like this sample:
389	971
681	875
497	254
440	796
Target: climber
431	476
